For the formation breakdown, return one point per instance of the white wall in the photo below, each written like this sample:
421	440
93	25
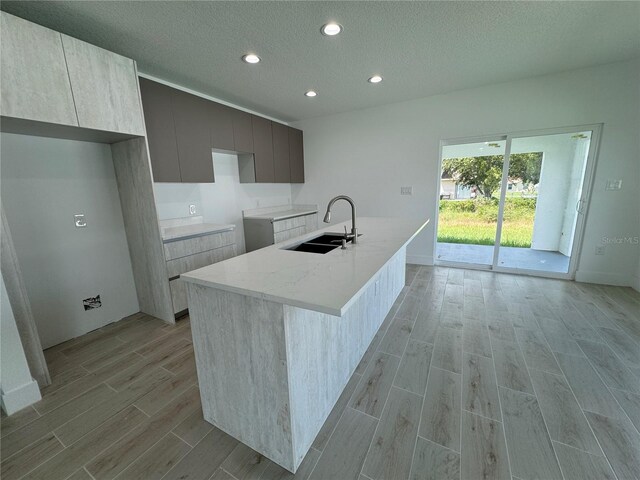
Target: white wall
555	187
576	176
17	388
220	202
45	182
369	154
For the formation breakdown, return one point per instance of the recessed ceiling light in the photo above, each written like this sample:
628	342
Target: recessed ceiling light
331	29
375	79
310	93
251	58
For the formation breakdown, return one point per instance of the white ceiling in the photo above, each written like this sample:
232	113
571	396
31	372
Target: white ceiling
421	48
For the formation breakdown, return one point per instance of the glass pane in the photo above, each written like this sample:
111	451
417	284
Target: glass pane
540	214
469	196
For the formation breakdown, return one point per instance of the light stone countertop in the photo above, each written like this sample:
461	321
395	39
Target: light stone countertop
325	283
274	216
182	232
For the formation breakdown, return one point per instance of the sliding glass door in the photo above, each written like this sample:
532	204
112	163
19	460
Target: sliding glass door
469	193
515	202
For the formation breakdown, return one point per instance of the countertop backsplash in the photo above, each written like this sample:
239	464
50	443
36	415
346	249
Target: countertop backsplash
221	202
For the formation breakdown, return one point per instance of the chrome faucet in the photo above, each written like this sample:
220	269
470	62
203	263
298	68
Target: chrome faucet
327	216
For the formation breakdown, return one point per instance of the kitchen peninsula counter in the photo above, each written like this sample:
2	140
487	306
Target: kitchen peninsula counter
326	283
278	333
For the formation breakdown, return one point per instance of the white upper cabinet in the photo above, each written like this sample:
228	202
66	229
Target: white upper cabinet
50	78
35	83
105	88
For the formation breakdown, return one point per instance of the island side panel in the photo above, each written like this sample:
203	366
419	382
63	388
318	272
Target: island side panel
241	361
323	350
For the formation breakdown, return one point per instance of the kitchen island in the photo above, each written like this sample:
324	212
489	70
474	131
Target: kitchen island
278	333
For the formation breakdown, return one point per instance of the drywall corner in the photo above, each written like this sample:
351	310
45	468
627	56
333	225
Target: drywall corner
20	397
18	389
420	259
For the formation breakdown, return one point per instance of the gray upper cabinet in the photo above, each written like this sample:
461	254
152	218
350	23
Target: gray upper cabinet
105	88
221	122
263	149
296	155
179	134
242	131
193	136
161	133
35	83
280	133
184	129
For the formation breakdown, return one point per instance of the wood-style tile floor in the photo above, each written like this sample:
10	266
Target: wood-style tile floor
473	375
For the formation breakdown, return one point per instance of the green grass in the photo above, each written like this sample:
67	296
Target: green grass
474	221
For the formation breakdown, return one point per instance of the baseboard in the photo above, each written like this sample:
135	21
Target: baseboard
20	397
420	259
603	278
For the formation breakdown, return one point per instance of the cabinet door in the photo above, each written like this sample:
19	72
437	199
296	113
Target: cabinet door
193	136
161	133
282	173
105	88
178	295
242	131
35	83
221	122
263	149
296	155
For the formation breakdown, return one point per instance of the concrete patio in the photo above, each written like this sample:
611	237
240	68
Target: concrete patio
521	258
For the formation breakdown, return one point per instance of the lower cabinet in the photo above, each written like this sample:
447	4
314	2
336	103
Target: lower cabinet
198	260
178	295
190	254
260	233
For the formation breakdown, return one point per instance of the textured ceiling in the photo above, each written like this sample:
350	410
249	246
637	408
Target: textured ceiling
421	48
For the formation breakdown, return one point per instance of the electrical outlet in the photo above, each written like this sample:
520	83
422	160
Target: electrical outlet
600	249
613	185
192	209
79	220
406	190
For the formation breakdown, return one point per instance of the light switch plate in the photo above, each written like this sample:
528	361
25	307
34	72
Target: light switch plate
79	220
406	190
192	209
